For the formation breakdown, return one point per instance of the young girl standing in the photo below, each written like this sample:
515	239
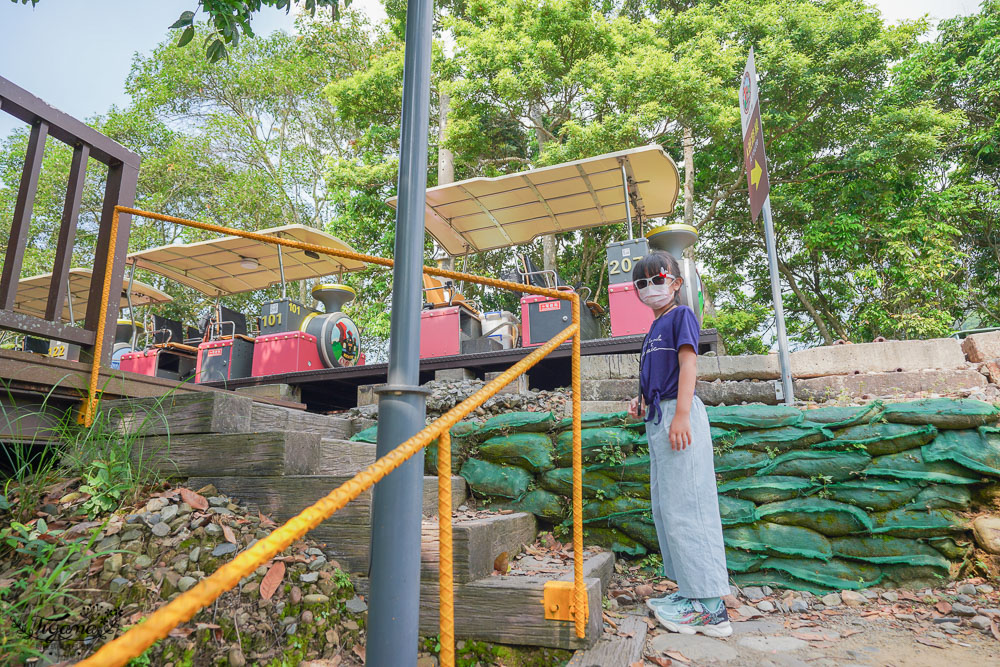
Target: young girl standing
682	470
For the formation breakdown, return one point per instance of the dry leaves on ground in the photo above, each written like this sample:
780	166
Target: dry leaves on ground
657	660
269	584
678	656
195	500
227	532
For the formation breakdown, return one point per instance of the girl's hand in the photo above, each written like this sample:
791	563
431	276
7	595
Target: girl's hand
680	432
635	408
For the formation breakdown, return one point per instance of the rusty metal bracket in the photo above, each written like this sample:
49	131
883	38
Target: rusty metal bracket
558	602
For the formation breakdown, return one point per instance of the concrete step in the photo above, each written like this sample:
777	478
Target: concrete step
622	647
508	608
265	417
249	454
609	390
347	534
342	457
182	413
603	407
477	542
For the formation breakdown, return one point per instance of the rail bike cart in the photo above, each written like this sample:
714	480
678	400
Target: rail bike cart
290	336
32	298
449	324
639	184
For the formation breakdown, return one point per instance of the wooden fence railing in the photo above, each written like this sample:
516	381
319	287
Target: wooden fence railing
123	175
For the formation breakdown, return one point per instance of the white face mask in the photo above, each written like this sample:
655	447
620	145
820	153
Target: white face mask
657	296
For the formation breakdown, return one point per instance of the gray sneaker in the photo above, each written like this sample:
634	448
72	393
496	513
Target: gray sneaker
667	601
694	617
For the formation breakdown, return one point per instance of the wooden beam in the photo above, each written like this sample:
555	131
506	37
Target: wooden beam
67	233
347	534
36	326
179	414
119	190
624	647
249	454
476	544
23	206
509	610
272	417
24	106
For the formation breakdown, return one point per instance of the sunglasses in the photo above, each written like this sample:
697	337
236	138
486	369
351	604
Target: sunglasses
661	279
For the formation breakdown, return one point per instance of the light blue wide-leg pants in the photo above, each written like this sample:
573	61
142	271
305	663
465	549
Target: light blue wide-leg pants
686	505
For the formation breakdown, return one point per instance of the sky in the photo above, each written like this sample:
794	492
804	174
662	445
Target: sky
76	54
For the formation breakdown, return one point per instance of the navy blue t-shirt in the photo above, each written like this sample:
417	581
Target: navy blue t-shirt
659	366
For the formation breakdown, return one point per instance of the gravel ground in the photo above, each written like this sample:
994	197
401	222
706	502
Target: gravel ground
954	625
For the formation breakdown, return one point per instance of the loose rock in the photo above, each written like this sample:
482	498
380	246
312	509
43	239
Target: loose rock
223	549
852	598
960	609
356	605
980	622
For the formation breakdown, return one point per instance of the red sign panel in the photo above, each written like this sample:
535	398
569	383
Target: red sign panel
549	305
755	162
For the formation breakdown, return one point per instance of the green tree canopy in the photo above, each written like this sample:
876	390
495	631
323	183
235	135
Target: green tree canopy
882	147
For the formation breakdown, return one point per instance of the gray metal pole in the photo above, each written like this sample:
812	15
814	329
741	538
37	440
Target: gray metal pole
784	360
628	207
281	272
397	501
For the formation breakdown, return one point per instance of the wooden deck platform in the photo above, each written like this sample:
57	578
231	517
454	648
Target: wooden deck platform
336	388
30	381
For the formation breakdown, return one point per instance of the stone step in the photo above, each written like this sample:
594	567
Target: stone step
265	417
342	457
476	543
603	407
609	390
508	608
347	534
220	412
249	454
182	413
623	647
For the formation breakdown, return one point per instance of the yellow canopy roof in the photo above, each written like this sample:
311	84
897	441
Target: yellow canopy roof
487	213
233	264
33	294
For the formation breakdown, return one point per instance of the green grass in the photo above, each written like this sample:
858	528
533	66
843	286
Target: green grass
47	567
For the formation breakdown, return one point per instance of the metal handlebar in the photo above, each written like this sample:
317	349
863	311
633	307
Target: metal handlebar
544	272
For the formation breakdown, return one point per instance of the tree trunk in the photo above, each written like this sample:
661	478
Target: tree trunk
688	177
446	160
549	262
688	145
806	303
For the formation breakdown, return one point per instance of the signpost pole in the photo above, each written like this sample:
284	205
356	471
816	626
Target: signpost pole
759	188
784	361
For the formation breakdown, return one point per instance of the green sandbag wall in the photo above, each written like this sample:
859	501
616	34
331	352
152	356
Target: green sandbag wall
823	499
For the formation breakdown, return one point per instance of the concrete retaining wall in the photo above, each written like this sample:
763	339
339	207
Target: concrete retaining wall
982	347
887	357
891	368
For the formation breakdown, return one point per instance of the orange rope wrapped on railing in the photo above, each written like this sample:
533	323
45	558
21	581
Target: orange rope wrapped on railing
579	590
184	607
446	582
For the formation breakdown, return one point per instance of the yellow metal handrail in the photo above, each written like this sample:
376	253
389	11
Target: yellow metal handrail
156	626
